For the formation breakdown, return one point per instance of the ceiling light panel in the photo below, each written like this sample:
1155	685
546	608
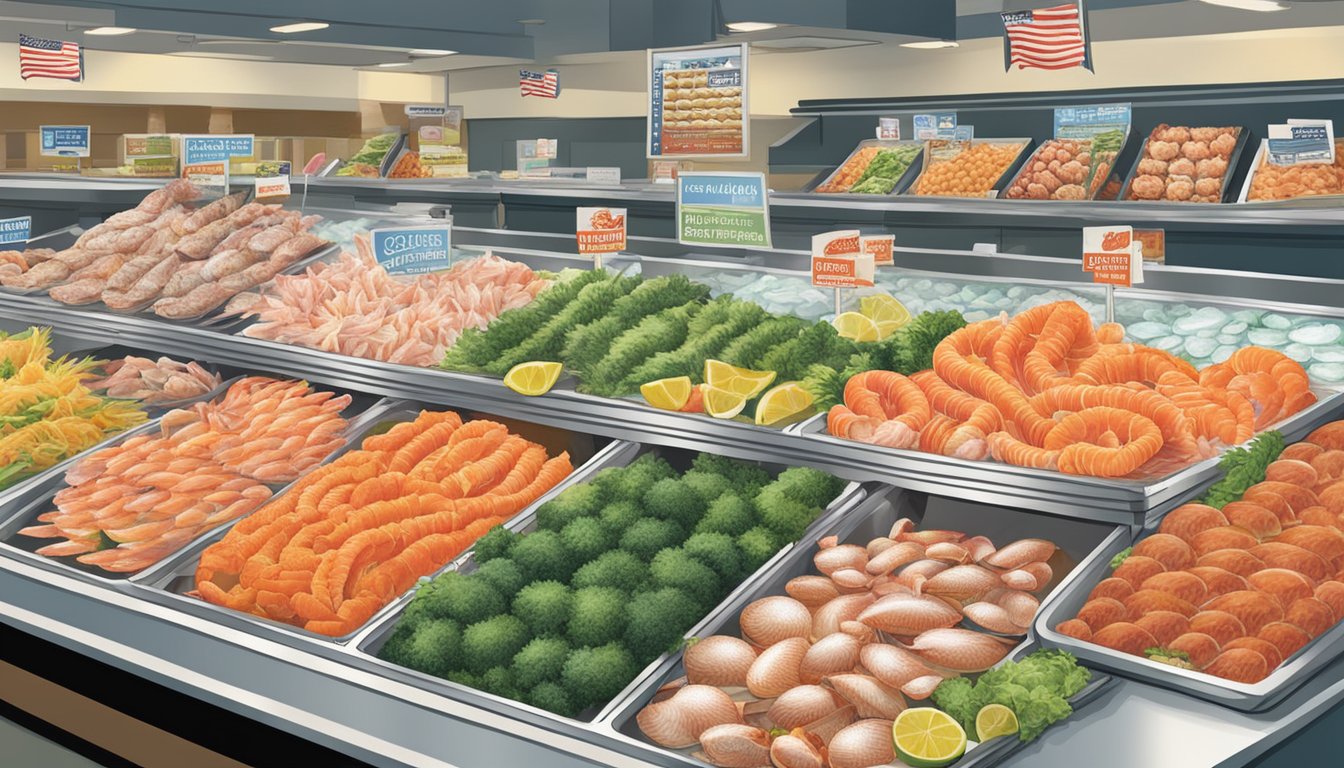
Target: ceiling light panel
301	26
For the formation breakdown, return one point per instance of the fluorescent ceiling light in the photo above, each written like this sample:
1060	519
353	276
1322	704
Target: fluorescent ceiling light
1250	5
430	52
391	64
751	26
932	44
301	26
109	31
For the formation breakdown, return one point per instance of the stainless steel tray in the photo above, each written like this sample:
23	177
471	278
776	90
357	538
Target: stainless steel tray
1146	498
36	499
1009	173
621	454
911	172
1243	136
1081	544
169	582
1247	697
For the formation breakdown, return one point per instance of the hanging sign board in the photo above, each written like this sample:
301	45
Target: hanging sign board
838	260
881	247
16	231
726	208
413	250
600	230
697	104
65	140
212	148
1112	255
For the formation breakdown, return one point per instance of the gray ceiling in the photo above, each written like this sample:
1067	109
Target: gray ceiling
365	33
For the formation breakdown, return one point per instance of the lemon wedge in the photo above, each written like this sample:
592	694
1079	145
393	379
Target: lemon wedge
882	307
856	326
995	720
743	381
783	403
533	378
668	394
925	737
723	403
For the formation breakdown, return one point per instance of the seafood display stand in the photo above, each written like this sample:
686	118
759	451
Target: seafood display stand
333	693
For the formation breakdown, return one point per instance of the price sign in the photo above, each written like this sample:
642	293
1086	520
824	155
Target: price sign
413	250
881	247
839	262
212	148
65	140
600	230
726	208
16	231
1112	255
274	188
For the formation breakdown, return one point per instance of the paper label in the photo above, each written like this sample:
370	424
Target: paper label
425	110
698	102
604	175
1112	255
65	140
16	231
880	247
1086	122
664	171
1152	244
1302	141
600	230
270	188
147	145
938	125
728	208
210	177
838	260
210	148
548	148
889	128
413	250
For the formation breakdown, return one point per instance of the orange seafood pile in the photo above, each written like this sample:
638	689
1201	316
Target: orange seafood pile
1241	589
130	505
1047	390
1183	164
1285	182
356	533
970	173
850	172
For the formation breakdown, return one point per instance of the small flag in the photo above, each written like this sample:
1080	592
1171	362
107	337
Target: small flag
544	84
1046	38
53	59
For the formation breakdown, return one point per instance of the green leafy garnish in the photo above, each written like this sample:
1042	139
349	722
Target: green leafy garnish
1121	557
1037	689
1244	467
1168	652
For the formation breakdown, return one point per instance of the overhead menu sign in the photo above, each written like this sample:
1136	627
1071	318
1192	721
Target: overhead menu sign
64	140
697	105
210	148
726	208
413	250
16	231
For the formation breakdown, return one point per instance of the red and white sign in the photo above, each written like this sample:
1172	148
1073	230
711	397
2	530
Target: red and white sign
881	247
839	262
1113	255
600	230
272	188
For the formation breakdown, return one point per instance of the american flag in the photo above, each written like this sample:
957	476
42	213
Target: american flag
1046	38
544	84
50	58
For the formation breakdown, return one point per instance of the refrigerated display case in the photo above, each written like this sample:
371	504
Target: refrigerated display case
338	694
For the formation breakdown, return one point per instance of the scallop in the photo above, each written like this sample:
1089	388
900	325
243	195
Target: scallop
844	608
718	660
777	669
979	548
832	559
879	545
960	650
678	722
1021	552
870	696
797	749
909	615
850	578
734	745
993	618
832	654
799	706
812	591
859	630
948	552
1021	606
892	664
890	559
863	744
772	619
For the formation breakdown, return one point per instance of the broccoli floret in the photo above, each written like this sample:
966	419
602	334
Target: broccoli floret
463	598
539	661
477	349
758	545
745	478
787	518
552	698
597	615
595	675
541	556
606	482
730	514
618	516
636	479
655	333
675	568
544	606
496	543
548	342
716	326
395	648
657	622
493	642
583	500
435	647
501	682
616	568
826	385
706	485
807	486
717	551
747	350
502	574
674	500
586	538
647	537
464	678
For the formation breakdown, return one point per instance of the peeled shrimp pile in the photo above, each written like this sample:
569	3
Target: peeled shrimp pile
1241	589
1183	165
128	506
182	261
1279	182
155	381
356	308
353	535
881	624
15	263
1047	390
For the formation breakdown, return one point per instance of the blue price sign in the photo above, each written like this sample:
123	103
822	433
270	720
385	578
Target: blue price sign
215	149
65	140
413	250
14	231
727	208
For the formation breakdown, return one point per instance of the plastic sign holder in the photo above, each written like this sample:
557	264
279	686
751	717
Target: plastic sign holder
1114	257
413	250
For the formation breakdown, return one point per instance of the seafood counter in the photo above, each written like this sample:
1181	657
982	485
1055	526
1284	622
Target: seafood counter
636	515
